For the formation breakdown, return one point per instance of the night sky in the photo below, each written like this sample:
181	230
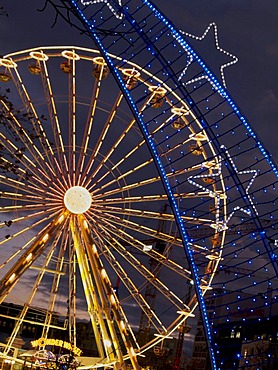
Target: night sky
247	29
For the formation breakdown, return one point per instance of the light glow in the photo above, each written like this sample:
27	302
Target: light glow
77	200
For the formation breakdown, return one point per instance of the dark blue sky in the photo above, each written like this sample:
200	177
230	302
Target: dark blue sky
248	29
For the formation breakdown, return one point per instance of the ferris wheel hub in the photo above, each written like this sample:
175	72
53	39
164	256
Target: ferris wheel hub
77	200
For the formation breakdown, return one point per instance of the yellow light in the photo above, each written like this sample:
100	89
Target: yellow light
112	300
186	313
69	54
165	336
28	258
104	275
132	353
12	277
38	55
205	287
7	63
77	200
122	325
45	238
60	219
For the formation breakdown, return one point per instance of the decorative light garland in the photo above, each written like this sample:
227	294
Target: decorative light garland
107	2
216	41
255	174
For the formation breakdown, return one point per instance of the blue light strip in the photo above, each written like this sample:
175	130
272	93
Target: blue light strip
214	82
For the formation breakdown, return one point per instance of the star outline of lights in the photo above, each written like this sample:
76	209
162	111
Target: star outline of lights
223	51
255	174
108	3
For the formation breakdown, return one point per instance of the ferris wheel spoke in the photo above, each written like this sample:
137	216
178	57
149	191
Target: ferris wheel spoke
141	183
88	128
148	275
24	137
29	207
106	250
27	304
30	190
133	151
40	132
115	146
99	289
28	228
146	198
136	148
152	215
31	111
54	119
163	259
14	220
105	217
21	158
140	245
59	270
130	200
127	173
72	119
15	184
29	256
124	326
152	233
124	188
115	166
27	198
107	125
25	184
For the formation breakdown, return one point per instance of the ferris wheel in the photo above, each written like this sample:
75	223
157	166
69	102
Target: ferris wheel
115	161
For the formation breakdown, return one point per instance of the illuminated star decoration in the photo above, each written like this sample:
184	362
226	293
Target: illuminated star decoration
108	3
255	174
223	225
223	66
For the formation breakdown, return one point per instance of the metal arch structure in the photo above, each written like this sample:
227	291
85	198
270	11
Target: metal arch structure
215	174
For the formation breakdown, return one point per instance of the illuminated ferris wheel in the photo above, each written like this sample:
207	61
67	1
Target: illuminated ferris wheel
129	181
